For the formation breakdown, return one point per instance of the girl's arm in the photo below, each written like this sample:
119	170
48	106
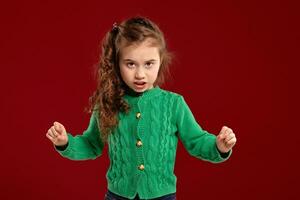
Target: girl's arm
85	146
198	142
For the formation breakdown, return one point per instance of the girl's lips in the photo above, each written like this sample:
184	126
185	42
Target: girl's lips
139	82
140	85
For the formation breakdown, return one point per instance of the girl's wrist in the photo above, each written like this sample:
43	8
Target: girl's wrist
223	154
61	147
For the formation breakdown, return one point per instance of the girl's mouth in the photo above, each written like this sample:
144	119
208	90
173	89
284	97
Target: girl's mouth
140	85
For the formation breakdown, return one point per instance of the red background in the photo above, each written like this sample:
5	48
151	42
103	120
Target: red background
232	66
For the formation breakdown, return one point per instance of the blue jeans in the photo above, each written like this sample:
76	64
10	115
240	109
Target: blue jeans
112	196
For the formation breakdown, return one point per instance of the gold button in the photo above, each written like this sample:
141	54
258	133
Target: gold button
138	115
139	143
141	167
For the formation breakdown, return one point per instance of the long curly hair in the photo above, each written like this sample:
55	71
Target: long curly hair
107	99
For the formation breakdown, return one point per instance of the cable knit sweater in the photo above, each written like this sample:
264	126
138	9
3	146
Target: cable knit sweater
142	148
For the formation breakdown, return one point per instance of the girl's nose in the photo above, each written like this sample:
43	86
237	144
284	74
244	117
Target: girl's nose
139	74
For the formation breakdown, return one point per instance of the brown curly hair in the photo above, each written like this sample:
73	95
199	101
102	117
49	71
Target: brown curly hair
107	98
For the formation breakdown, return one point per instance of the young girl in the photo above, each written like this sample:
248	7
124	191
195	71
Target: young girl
140	122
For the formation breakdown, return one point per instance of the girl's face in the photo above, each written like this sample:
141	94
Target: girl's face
139	65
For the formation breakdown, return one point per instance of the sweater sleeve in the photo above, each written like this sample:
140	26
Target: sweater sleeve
86	146
198	142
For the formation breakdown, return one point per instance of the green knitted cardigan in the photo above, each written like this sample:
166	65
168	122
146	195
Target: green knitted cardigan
142	148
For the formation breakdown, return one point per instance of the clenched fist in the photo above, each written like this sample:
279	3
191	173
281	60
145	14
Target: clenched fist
57	134
226	139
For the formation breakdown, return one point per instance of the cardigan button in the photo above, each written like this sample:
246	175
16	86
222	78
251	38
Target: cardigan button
139	143
138	115
141	167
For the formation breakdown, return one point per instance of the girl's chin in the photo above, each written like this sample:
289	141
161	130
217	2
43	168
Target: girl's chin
139	90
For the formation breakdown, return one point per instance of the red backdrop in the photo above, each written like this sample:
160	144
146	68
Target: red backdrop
232	66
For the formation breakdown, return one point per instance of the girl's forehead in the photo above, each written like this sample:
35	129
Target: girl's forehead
143	49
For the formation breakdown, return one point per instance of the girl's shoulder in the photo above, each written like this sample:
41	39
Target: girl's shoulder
171	94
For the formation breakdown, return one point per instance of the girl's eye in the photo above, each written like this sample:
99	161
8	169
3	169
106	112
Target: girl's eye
149	64
130	65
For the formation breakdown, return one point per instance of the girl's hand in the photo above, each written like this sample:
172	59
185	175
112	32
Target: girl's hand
225	140
57	134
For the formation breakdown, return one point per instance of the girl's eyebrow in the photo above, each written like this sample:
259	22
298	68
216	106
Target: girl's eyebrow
151	60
